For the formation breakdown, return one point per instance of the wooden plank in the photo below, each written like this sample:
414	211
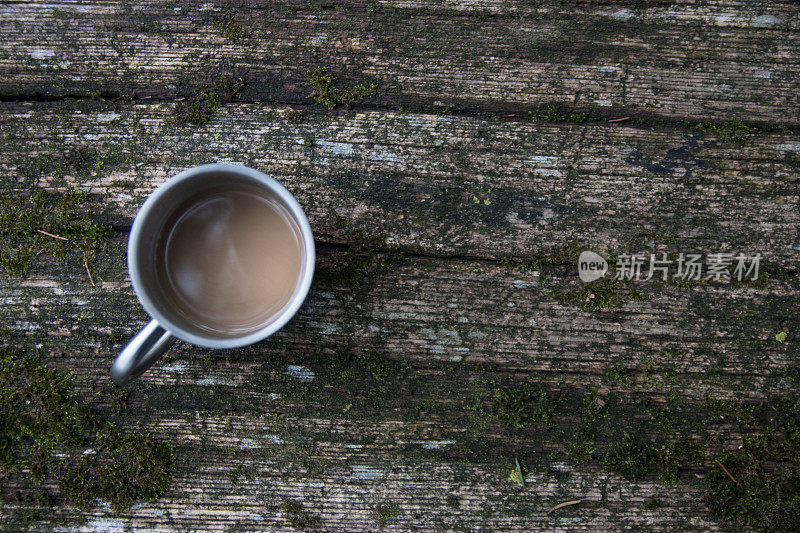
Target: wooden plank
477	187
742	62
429	310
426	372
286	420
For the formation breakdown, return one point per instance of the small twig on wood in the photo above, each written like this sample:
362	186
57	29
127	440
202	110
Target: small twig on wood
564	504
619	119
86	264
726	471
509	116
51	235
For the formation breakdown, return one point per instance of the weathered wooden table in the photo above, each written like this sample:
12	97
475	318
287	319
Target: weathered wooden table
449	370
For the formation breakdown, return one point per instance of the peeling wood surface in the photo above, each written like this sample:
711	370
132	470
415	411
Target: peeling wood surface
457	186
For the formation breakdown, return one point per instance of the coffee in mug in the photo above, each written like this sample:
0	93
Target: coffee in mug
229	259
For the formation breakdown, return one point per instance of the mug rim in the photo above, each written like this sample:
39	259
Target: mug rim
288	311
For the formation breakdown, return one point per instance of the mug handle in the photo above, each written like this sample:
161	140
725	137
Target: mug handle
140	353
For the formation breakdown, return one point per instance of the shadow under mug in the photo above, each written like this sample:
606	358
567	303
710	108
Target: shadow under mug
166	325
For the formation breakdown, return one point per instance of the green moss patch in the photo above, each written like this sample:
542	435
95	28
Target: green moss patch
618	374
204	102
731	131
123	469
384	513
605	293
761	487
299	517
559	113
49	437
370	360
722	408
352	266
546	261
582	448
326	93
36	223
523	406
231	29
676	455
247	472
294	117
630	458
652	504
38	411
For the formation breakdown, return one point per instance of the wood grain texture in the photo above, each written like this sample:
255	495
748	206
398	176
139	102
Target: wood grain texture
344	444
343	454
463	192
742	60
448	185
428	310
